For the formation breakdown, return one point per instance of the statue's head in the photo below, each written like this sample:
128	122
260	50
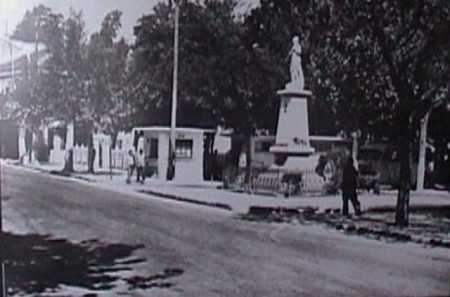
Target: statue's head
295	40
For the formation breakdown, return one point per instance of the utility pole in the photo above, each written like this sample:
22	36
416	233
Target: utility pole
2	264
36	44
355	147
421	166
422	152
33	79
11	52
173	119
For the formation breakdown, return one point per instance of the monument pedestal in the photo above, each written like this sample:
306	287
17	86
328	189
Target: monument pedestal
292	146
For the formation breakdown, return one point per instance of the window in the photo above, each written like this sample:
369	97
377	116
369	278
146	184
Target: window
263	146
183	148
153	154
370	154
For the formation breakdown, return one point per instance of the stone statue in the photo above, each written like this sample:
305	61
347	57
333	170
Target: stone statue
297	77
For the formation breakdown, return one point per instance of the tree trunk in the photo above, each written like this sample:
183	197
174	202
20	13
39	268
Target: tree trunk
69	143
232	161
112	146
91	152
29	144
68	163
402	210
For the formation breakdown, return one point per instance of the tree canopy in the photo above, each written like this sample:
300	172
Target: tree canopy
77	79
224	78
379	65
395	54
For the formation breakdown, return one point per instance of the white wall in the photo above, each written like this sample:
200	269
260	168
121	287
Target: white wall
191	170
102	145
163	154
188	170
80	152
119	155
22	148
57	154
70	136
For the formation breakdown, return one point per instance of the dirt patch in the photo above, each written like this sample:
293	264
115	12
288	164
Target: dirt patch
430	226
36	264
160	280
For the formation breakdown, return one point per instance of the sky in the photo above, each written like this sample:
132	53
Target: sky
12	11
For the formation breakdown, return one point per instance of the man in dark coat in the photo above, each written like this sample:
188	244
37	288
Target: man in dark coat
349	184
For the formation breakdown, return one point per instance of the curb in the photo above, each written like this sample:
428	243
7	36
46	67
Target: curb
55	172
288	211
148	192
396	235
72	175
422	207
188	200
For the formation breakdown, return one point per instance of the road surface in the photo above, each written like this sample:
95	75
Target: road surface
219	254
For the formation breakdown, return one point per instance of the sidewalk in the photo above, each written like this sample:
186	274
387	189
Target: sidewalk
242	202
208	194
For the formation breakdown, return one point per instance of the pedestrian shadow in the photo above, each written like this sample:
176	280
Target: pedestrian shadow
39	263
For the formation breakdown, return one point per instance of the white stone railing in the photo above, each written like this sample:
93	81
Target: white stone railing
278	182
119	159
80	155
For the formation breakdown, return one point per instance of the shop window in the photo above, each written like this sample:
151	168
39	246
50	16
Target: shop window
263	146
153	154
183	148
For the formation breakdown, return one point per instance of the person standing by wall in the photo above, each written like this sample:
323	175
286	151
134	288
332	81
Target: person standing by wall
140	164
349	184
131	165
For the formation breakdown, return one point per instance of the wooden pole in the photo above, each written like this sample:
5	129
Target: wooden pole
173	119
2	265
422	152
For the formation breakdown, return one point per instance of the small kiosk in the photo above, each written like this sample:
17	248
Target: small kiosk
189	151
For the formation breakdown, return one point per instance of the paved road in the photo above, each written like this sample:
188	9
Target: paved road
220	254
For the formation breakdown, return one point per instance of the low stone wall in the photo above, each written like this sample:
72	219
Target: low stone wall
278	182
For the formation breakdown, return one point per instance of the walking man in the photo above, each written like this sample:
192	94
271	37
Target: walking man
349	184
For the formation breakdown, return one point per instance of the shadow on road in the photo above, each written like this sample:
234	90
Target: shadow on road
38	263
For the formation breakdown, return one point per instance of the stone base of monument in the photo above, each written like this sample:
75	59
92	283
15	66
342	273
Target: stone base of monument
292	144
295	164
297	175
295	160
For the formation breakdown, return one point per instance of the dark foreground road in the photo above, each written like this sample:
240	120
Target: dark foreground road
209	252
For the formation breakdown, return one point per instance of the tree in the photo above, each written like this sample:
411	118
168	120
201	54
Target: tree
225	79
402	51
272	26
39	26
152	65
380	65
107	77
35	24
78	82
